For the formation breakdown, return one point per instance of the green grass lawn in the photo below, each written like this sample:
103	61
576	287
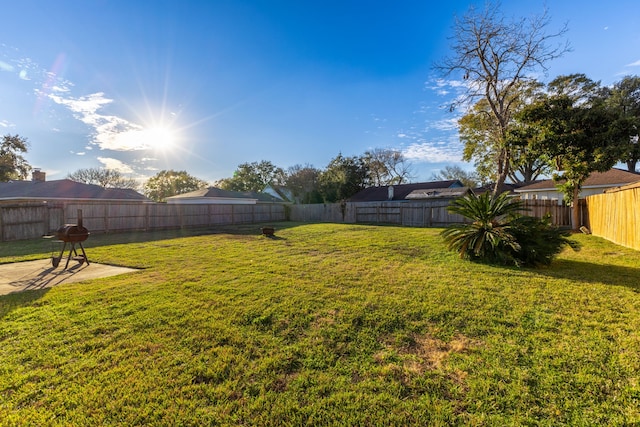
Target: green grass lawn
322	325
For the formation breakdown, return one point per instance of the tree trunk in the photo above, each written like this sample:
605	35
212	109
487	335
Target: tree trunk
499	187
503	172
575	209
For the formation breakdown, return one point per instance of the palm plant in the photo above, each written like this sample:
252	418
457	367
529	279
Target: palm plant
488	234
496	232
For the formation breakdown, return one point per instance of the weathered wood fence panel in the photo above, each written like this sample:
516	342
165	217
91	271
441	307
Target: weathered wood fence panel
31	220
413	214
327	212
560	214
431	213
19	220
615	216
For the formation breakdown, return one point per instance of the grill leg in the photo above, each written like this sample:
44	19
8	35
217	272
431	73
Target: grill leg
56	261
73	251
84	253
73	248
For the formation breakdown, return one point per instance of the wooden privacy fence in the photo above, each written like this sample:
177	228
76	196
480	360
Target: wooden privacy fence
430	213
615	215
30	220
407	214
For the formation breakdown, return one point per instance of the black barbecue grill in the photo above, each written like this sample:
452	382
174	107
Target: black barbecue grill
74	234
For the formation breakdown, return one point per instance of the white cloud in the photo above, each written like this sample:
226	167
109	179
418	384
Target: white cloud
115	164
430	153
110	132
86	106
57	88
5	67
445	125
634	64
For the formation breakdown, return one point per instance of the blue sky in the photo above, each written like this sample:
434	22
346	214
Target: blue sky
203	86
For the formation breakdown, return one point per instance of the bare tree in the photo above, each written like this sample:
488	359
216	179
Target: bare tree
105	178
451	172
493	56
387	167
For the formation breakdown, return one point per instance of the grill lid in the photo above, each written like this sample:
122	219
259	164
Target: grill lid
72	233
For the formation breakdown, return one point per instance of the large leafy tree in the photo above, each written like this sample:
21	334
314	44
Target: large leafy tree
106	178
253	176
12	164
304	183
494	55
574	130
387	167
343	177
169	183
624	99
484	140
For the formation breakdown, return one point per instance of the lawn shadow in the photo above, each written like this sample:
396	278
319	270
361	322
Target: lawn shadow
36	248
15	300
614	275
149	236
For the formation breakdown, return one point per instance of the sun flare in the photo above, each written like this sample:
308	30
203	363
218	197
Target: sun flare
158	138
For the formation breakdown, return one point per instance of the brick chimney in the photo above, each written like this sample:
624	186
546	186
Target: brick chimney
38	175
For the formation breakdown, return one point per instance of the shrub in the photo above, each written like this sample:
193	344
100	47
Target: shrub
539	240
497	233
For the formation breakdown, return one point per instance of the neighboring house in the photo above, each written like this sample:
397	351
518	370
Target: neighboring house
597	183
280	192
63	190
406	192
212	195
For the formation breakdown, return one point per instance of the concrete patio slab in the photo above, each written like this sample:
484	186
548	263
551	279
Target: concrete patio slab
40	274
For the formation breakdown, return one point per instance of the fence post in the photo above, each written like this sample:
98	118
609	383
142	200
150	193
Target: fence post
106	217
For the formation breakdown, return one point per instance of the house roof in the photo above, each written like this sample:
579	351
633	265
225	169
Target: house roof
437	193
507	186
400	191
611	178
279	191
213	192
624	187
64	189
